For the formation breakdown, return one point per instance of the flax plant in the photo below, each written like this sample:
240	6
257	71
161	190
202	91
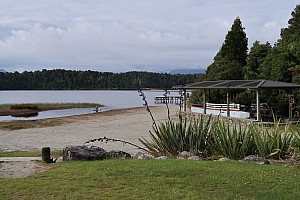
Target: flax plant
172	137
233	141
273	142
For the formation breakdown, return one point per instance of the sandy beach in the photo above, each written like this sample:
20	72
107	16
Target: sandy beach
126	124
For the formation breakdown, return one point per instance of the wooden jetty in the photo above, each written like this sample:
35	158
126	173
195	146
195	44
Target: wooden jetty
169	100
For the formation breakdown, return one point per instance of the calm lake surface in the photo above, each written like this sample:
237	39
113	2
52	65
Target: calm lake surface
111	99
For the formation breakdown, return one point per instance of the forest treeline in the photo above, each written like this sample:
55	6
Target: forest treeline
60	79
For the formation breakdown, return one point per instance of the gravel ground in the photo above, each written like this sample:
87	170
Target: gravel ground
125	124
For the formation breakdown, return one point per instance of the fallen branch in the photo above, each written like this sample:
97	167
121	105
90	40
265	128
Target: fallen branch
105	139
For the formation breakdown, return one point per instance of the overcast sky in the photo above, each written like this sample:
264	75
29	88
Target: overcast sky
129	35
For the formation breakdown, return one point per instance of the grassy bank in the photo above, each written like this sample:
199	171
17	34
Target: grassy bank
11	109
27	110
152	179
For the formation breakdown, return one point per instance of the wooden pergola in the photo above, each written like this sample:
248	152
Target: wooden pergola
256	85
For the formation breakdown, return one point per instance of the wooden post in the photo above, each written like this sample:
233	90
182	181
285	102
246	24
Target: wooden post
46	155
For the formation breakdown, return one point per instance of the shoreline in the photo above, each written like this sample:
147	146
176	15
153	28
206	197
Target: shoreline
51	121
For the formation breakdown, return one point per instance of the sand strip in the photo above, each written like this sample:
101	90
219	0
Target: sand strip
126	124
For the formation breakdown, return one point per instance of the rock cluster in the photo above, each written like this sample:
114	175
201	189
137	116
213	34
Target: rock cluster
97	153
91	153
255	158
188	155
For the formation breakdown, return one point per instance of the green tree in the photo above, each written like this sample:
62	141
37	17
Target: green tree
290	40
257	54
230	60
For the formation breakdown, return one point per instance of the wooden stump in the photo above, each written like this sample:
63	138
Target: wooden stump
46	155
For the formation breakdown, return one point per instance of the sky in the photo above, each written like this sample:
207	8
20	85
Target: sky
129	35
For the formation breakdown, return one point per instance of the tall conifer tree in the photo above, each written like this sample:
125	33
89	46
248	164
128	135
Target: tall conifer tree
230	60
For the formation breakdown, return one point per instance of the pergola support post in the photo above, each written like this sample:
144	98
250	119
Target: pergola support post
257	105
204	101
185	100
227	100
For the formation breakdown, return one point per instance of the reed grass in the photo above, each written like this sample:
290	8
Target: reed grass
24	106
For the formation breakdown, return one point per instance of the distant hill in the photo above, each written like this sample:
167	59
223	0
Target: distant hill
188	71
2	70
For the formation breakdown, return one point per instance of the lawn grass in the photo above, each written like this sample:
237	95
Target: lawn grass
156	179
54	153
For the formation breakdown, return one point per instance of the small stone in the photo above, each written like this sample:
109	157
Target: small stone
185	154
142	156
195	158
118	154
265	162
223	159
162	158
253	158
60	159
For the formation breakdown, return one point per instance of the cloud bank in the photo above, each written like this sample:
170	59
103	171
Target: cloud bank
126	35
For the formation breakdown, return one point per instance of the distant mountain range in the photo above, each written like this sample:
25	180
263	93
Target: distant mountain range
175	71
188	71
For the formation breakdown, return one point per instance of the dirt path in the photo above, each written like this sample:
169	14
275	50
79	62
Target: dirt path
19	167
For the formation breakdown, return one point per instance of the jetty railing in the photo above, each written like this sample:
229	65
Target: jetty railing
169	100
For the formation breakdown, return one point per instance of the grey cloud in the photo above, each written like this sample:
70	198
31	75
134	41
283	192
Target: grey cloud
127	35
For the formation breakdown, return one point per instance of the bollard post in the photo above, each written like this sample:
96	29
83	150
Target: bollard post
46	155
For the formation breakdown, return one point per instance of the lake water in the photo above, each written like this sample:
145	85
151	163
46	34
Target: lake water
111	99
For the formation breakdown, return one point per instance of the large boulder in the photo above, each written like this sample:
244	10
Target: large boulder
83	153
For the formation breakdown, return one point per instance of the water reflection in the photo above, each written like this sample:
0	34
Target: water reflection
26	115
